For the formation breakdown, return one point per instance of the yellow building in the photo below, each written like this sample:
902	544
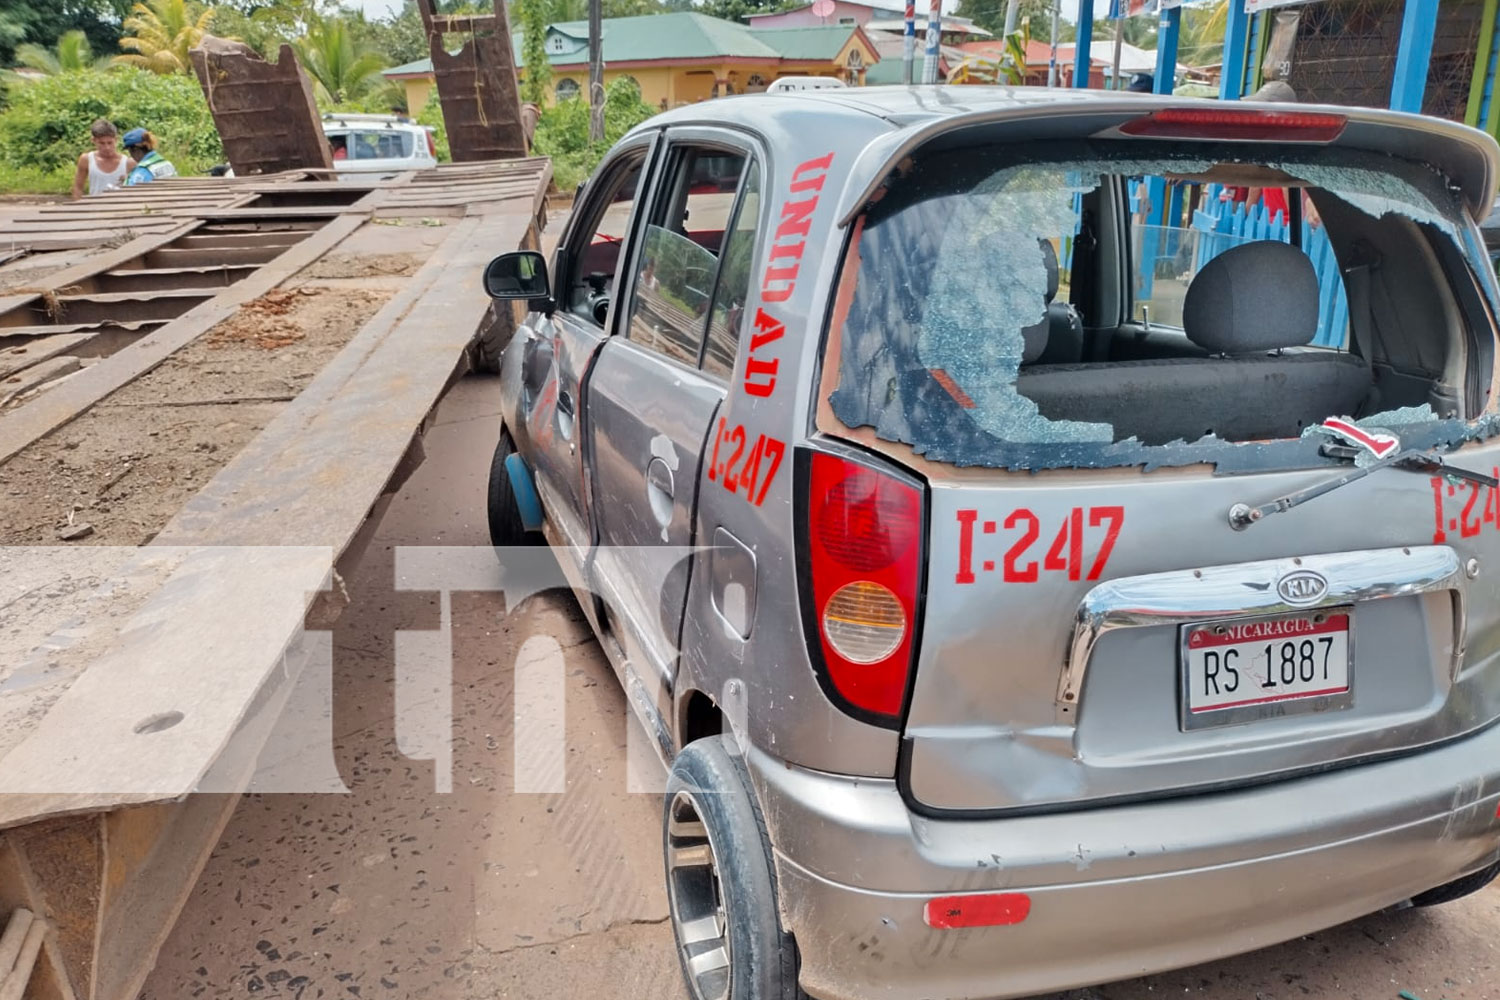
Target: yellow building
682	58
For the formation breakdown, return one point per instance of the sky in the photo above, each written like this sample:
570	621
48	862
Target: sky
381	8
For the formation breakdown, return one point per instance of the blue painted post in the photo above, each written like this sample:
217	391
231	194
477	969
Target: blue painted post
1236	48
1167	30
1415	52
1082	64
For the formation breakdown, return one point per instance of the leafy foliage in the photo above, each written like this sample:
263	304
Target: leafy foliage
43	22
740	10
531	16
398	37
162	32
341	71
1009	68
432	114
563	131
73	52
47	123
990	14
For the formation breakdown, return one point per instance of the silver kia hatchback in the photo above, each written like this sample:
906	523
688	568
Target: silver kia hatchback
1053	536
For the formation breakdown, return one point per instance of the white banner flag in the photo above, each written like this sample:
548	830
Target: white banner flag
1251	6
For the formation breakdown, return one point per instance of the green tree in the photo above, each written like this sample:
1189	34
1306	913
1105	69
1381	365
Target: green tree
1137	31
47	123
399	37
44	22
341	71
740	10
631	8
531	17
72	53
559	11
990	15
1202	39
162	32
563	131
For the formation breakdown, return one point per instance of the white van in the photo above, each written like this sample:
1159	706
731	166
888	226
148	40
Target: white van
362	142
790	83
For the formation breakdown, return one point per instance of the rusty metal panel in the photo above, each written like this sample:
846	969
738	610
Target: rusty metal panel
264	111
477	87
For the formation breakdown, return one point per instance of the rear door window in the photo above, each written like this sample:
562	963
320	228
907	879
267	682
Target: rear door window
678	262
380	144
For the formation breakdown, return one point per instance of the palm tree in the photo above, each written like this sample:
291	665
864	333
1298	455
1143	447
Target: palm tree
1203	34
163	32
329	55
73	53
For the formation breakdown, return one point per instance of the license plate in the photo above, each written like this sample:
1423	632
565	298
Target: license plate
1243	670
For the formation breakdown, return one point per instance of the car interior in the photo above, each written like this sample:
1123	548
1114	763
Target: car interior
1174	326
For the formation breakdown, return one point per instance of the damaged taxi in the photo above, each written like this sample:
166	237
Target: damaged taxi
1052	535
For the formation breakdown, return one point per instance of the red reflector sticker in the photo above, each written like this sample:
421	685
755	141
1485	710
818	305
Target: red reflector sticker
990	910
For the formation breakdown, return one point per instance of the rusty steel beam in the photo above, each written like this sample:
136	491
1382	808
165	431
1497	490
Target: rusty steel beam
174	256
477	86
264	111
159	279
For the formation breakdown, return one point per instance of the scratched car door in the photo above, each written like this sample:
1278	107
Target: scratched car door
556	350
657	386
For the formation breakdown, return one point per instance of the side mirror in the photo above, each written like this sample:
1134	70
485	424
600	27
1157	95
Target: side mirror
521	274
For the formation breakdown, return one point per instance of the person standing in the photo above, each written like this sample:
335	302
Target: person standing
104	167
149	164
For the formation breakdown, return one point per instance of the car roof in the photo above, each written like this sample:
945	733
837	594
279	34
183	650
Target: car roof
898	118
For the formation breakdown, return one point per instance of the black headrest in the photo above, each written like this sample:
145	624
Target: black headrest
1049	261
1257	297
1034	337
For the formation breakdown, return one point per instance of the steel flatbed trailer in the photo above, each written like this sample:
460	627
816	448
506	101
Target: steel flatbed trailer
206	389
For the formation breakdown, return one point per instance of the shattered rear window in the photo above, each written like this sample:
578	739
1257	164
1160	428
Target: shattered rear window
991	313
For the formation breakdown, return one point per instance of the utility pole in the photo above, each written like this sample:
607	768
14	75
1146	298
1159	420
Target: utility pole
909	46
596	71
1012	9
1114	76
1052	80
934	35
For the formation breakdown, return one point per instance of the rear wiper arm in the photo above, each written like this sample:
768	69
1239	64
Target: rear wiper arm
1242	515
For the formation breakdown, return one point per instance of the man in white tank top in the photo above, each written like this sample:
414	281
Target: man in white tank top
104	167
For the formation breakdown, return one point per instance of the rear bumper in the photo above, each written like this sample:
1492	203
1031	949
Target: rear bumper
1115	892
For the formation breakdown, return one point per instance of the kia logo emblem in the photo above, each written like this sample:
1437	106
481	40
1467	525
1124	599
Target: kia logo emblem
1302	587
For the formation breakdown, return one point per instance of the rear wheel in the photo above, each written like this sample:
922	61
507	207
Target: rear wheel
1458	888
721	886
506	527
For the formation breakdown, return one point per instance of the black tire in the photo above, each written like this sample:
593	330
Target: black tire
495	331
709	784
506	528
1458	888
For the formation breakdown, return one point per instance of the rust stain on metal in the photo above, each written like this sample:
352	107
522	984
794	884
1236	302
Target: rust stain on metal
264	111
477	85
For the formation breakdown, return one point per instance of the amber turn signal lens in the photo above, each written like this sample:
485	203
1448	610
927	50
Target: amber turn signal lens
864	622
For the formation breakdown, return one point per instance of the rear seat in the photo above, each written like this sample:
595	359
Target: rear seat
1245	307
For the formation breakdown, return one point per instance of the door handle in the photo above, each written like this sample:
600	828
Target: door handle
564	402
659	489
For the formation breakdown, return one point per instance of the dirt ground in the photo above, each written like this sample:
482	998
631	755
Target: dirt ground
128	464
398	890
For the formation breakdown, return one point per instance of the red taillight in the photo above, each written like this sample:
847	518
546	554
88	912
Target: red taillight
864	532
1247	123
431	143
990	909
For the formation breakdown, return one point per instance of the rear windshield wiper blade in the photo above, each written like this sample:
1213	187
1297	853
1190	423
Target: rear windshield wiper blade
1242	515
